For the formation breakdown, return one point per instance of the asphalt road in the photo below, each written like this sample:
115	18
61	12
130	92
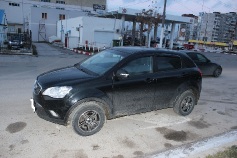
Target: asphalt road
24	134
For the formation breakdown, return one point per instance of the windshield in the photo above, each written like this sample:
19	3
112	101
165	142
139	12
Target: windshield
101	62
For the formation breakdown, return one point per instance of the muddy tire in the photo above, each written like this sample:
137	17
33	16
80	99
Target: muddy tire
87	118
185	103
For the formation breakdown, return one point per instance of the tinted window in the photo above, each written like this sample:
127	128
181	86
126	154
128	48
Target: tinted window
201	58
165	63
197	57
139	66
101	62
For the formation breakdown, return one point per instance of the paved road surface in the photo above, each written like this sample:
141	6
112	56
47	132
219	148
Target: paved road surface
24	134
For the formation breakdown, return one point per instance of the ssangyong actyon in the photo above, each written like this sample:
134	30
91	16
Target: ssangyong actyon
117	82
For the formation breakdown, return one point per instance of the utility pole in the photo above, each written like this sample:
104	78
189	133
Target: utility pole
163	23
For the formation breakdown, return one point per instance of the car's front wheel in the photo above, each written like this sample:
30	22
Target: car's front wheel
217	72
185	103
88	118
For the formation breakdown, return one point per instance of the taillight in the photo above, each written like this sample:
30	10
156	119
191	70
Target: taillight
200	72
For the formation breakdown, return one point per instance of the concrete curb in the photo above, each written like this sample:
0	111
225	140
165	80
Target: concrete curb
198	149
83	52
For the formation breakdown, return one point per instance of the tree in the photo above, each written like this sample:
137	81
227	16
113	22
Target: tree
148	18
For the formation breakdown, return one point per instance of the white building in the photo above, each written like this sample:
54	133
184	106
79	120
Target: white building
94	31
3	27
33	15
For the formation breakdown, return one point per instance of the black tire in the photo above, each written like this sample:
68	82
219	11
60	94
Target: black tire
87	118
185	103
217	72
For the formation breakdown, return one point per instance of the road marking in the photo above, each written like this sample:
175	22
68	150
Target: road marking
159	120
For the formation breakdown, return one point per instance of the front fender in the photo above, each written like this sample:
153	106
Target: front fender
89	95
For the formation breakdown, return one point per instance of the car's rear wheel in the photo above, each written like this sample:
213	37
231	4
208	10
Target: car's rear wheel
185	103
217	72
88	118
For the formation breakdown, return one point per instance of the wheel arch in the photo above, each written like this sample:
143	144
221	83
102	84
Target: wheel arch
184	87
98	97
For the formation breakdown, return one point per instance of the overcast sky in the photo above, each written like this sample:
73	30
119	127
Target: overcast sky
177	7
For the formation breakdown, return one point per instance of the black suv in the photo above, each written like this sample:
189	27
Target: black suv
117	82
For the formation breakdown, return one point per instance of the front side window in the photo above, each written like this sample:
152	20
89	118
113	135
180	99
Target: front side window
201	58
166	63
101	62
197	57
138	66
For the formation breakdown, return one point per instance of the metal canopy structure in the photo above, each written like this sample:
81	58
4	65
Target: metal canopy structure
131	14
126	14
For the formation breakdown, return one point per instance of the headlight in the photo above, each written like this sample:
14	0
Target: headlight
57	92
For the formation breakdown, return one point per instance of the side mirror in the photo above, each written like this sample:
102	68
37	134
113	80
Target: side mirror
122	74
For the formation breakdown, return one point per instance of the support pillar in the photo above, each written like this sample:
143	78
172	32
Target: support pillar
123	27
133	31
172	36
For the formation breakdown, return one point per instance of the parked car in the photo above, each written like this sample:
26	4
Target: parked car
16	43
207	67
177	46
117	82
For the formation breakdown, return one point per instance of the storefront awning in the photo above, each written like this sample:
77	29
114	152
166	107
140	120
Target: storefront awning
209	43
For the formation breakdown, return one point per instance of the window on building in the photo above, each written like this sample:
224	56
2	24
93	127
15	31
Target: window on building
61	16
45	0
14	4
60	8
44	15
18	30
60	2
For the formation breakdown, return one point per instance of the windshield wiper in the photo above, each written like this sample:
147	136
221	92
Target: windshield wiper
83	69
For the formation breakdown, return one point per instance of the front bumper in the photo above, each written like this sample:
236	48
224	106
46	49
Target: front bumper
45	114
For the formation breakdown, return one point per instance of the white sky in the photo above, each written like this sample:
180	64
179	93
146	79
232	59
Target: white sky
177	7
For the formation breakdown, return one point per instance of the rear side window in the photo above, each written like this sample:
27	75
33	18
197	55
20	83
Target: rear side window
166	63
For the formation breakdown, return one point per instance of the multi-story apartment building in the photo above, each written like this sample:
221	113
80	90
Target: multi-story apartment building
217	27
41	16
190	29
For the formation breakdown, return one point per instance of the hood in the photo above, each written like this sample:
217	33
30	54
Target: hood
63	77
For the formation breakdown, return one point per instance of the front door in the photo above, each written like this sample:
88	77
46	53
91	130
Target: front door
134	93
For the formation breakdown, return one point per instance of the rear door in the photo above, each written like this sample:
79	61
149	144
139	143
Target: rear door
169	76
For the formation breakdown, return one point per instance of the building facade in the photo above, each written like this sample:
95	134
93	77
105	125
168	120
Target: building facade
36	15
217	27
3	27
88	30
189	30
